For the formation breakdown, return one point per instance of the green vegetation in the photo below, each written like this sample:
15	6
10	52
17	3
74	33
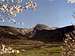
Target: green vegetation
47	50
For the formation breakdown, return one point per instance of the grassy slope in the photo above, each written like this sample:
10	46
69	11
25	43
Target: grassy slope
30	50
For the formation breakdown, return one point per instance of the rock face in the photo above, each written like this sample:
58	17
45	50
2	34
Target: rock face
41	27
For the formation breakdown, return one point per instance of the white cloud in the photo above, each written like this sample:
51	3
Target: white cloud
71	1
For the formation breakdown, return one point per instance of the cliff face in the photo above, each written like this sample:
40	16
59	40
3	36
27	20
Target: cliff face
45	34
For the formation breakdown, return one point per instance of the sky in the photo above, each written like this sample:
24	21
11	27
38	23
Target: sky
54	13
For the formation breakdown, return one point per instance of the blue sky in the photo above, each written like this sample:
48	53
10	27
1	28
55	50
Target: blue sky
54	13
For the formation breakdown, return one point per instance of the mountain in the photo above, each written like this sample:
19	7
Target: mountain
52	35
39	33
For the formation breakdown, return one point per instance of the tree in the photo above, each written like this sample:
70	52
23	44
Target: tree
69	42
10	8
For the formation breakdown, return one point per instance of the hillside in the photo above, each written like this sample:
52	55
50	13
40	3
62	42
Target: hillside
38	41
39	33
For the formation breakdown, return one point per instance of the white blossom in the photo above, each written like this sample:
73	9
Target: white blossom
10	8
6	49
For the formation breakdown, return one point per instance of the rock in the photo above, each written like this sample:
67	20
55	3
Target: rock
41	27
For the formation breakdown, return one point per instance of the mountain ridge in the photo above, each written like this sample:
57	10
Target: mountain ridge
45	34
